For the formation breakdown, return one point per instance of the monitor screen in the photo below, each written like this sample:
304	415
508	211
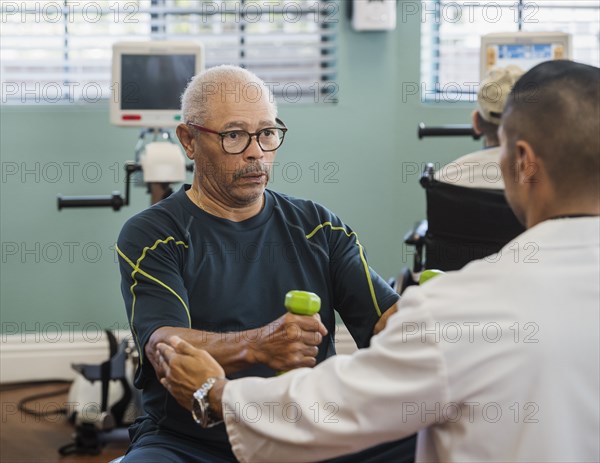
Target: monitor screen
148	80
155	81
523	49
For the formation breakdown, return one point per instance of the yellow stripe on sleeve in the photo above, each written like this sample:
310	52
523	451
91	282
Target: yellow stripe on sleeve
136	269
362	258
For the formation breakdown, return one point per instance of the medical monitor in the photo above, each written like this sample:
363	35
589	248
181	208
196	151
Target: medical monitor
148	79
523	49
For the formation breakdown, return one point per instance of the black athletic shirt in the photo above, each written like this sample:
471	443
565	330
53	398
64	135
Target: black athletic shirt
183	267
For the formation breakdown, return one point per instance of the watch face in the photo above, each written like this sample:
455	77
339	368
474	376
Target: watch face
198	410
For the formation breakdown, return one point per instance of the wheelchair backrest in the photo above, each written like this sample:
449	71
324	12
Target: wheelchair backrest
465	223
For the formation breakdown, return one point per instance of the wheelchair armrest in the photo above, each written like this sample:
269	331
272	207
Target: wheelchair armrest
427	175
416	236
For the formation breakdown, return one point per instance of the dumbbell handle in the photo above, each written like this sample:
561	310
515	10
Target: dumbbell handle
301	303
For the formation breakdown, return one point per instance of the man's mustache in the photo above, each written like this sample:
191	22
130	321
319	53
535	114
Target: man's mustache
258	168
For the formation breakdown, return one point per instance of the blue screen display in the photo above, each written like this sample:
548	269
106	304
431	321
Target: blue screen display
541	51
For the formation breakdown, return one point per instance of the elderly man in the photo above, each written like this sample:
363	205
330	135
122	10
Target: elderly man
496	362
481	169
212	264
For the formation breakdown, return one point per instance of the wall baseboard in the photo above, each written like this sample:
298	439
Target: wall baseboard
47	356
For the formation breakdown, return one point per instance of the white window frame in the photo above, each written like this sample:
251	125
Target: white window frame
291	44
517	15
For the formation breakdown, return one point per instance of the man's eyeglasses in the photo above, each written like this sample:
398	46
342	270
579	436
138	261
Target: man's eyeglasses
236	141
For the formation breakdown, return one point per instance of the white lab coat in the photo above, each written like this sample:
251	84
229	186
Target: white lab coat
496	362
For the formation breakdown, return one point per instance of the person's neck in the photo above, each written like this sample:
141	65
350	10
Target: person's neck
584	207
217	208
490	143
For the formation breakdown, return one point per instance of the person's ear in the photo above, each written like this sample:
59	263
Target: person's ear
527	163
187	140
475	122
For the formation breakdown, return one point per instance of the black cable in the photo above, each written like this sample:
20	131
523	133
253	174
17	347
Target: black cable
44	395
28	385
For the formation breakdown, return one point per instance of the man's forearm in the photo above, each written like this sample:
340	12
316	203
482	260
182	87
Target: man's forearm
231	350
287	343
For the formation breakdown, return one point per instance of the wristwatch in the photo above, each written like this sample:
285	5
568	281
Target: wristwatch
201	408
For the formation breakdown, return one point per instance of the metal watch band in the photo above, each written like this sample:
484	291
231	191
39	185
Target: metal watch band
201	411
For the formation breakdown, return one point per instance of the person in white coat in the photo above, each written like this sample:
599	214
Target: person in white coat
496	362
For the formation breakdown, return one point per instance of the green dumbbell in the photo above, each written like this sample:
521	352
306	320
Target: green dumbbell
302	302
427	275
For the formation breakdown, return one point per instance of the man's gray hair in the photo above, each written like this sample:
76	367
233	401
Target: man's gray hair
228	82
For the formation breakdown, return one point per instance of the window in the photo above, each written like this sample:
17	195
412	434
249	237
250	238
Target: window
451	31
60	51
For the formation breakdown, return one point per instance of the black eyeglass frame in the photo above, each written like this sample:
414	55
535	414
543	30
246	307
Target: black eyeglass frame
283	128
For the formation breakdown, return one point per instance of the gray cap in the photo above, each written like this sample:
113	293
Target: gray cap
494	90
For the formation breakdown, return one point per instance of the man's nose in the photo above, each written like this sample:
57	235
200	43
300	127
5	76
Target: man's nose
254	151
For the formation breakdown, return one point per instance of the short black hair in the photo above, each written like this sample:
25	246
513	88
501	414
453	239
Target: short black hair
555	107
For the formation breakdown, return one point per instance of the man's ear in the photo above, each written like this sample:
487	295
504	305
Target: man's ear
527	163
475	123
187	140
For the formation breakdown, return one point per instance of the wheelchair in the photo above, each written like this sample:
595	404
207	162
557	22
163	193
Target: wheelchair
463	224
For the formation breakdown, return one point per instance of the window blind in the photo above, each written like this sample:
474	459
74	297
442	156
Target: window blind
451	31
60	51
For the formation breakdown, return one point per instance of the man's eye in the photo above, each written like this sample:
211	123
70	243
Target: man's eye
267	132
233	135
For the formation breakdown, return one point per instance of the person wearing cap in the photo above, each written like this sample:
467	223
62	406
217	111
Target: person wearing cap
481	169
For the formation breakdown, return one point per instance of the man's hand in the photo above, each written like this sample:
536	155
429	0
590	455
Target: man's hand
289	342
185	369
152	354
384	318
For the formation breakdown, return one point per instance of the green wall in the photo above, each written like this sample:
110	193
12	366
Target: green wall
58	269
